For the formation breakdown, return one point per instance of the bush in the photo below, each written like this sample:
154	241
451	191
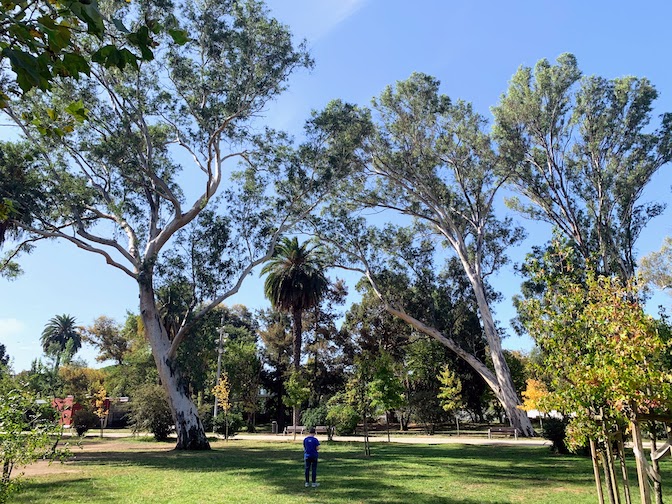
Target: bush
342	416
150	412
555	431
25	437
235	421
83	420
313	417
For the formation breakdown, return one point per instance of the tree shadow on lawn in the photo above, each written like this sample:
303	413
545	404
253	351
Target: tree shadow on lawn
395	474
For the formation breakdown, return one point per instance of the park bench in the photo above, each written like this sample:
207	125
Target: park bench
290	429
301	429
504	431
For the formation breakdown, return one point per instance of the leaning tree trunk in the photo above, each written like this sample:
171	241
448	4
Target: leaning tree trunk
506	392
188	426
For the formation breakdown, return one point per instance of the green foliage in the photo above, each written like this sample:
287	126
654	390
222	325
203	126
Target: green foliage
20	194
234	419
61	338
243	367
580	150
450	393
108	337
555	431
150	412
205	412
43	40
386	388
298	390
295	278
295	282
342	414
313	417
83	420
26	433
425	362
602	354
656	267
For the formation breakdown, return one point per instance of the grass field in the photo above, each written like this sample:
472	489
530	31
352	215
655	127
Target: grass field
129	472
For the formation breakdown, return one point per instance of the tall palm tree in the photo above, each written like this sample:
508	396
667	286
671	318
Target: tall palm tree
61	338
295	283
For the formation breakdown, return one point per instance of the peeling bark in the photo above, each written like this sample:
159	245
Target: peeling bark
188	426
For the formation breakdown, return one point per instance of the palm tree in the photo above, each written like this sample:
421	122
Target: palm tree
61	337
295	283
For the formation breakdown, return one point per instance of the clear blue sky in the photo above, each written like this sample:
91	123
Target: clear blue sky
360	46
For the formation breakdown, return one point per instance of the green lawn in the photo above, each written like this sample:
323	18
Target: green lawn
262	472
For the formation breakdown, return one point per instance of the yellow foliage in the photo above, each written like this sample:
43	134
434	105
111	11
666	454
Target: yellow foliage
222	392
534	392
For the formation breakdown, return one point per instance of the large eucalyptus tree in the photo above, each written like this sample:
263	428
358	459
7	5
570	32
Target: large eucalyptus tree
138	183
581	151
428	165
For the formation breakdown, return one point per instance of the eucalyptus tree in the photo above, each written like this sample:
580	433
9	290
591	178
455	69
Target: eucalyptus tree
429	165
656	267
136	183
581	152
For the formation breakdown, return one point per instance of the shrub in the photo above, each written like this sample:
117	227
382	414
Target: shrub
83	420
235	421
25	436
313	417
555	431
150	412
342	415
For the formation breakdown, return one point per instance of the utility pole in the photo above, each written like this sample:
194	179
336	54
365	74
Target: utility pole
220	350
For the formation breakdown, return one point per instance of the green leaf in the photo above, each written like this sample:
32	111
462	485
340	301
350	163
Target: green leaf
111	56
120	25
88	12
30	71
142	40
78	111
76	64
180	37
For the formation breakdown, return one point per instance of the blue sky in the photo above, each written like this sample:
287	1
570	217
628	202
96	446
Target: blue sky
361	46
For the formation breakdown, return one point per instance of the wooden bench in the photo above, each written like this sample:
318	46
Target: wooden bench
301	429
504	431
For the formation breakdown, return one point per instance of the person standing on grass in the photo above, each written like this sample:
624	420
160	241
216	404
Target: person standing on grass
310	447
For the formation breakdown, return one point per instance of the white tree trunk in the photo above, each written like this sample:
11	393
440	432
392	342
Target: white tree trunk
188	426
506	392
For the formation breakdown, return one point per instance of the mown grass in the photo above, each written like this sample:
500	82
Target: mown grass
265	472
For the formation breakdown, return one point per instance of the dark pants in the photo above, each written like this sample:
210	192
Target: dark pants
311	462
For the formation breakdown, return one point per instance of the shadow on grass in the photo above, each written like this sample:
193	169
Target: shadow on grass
395	474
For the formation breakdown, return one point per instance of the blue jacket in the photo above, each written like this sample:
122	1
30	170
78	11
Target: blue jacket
310	445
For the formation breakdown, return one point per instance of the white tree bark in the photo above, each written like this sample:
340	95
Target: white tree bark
188	426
